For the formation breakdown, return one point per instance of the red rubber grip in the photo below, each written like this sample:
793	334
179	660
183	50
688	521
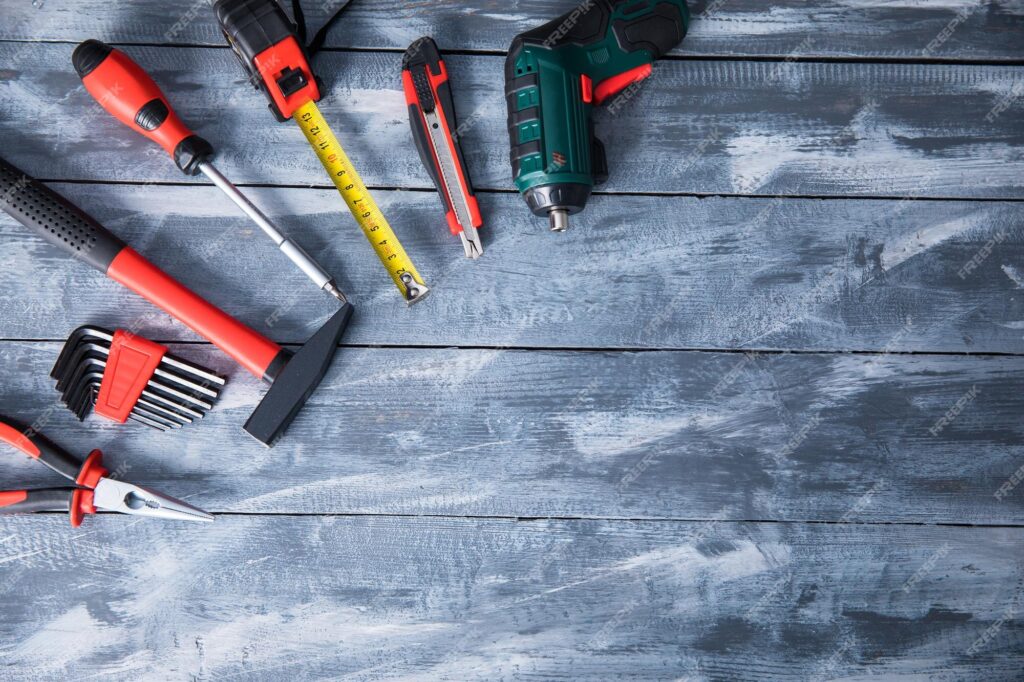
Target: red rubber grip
271	65
123	89
249	348
9	497
92	471
19	440
82	504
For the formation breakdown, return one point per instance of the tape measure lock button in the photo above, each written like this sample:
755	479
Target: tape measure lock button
291	81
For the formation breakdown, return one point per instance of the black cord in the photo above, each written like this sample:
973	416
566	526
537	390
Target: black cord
318	40
300	20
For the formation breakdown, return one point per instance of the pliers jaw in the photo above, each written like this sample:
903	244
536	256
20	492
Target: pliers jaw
93	489
127	498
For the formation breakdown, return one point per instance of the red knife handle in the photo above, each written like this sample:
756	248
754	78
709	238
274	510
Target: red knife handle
426	86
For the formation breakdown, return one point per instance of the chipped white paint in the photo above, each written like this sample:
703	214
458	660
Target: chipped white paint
909	246
577	434
609	434
382	103
1015	275
422	598
685	562
904	143
745	27
57	644
396	435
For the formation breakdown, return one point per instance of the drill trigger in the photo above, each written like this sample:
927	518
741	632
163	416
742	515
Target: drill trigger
619	82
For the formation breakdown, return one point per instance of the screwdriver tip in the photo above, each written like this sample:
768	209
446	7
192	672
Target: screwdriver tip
334	291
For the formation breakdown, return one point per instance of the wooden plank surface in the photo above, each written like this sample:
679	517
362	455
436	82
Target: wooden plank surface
693	273
256	598
634	435
905	29
566	464
821	129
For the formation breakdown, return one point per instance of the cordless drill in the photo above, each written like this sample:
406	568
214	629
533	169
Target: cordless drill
557	73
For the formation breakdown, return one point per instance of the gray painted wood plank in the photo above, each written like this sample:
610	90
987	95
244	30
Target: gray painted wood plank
953	29
697	273
256	598
569	434
818	129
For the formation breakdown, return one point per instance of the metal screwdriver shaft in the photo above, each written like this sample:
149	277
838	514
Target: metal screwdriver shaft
289	248
128	93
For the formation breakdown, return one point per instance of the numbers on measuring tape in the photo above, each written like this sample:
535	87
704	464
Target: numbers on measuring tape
360	202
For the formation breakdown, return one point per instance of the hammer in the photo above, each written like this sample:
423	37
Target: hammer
293	376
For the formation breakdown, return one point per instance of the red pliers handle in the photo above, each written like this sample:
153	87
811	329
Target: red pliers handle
93	489
78	501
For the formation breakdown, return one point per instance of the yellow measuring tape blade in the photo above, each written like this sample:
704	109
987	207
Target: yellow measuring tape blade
364	209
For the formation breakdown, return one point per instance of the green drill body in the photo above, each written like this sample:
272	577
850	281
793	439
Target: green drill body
557	73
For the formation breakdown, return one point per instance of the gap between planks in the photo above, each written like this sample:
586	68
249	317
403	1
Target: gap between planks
773	58
602	519
622	349
596	192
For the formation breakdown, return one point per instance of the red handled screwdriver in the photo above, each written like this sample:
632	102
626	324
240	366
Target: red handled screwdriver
128	93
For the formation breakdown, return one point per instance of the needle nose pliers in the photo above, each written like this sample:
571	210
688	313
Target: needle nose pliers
93	490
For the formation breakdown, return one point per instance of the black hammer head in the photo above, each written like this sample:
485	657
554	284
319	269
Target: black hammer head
296	382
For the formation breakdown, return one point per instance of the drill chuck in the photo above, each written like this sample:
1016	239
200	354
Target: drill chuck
559	220
557	202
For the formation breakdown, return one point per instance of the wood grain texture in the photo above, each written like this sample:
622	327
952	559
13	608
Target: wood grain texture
761	128
635	435
717	273
988	30
255	598
588	487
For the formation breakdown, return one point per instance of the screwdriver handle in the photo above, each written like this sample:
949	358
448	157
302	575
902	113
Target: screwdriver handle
128	93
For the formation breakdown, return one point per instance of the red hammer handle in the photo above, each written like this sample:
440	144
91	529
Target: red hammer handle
250	349
66	226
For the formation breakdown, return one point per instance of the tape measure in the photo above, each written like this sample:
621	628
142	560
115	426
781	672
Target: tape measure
269	48
360	202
